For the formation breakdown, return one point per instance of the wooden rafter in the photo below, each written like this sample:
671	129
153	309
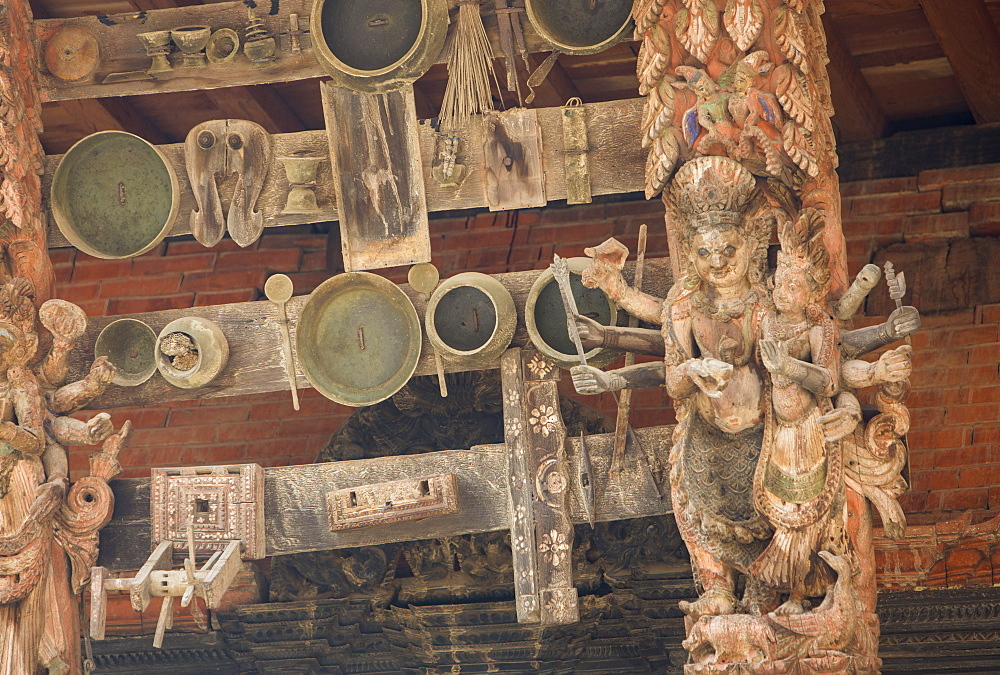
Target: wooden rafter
858	116
971	42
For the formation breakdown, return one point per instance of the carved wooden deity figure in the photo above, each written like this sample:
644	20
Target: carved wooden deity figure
765	470
42	519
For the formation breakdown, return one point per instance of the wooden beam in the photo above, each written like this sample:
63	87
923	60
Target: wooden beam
971	42
857	115
92	115
256	363
908	153
121	50
260	104
295	514
616	160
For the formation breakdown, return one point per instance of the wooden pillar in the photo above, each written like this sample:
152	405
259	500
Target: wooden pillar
22	224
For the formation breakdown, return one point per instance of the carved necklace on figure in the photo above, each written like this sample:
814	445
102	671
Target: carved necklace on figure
724	311
786	331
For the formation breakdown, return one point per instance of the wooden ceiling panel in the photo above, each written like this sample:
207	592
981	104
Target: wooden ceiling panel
853	9
886	32
924	89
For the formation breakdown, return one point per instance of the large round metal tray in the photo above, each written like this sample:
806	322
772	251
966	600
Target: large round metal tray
377	46
114	195
358	338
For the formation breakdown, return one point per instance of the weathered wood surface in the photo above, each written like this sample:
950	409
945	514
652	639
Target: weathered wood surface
256	364
122	52
616	166
295	513
946	275
513	161
523	546
375	158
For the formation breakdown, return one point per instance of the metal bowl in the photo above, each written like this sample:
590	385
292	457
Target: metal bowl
375	46
358	338
545	316
130	345
573	28
471	319
114	195
213	352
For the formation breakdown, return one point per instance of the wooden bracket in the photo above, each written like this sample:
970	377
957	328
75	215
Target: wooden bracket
576	146
513	156
392	502
222	503
541	530
378	175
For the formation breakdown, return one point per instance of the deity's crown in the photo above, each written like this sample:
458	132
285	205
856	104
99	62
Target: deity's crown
711	193
803	246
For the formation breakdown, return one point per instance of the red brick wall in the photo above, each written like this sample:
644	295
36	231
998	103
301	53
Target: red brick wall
955	437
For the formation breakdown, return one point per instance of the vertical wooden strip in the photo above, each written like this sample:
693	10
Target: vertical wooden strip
375	155
549	471
522	526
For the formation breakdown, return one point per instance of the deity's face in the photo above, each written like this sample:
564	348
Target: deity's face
703	86
793	290
742	81
721	257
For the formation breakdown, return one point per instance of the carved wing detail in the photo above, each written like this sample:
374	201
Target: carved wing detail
743	20
646	13
789	36
793	93
799	146
697	27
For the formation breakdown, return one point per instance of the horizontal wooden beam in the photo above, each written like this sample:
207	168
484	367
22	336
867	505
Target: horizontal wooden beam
971	41
122	52
256	364
616	161
295	513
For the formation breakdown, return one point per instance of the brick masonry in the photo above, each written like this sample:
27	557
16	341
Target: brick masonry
955	404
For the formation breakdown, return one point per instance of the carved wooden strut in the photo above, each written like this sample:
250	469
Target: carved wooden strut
772	476
48	528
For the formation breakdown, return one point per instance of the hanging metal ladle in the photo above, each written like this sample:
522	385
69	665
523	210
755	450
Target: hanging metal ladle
278	289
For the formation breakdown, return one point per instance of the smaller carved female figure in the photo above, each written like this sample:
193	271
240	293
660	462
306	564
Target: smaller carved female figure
798	484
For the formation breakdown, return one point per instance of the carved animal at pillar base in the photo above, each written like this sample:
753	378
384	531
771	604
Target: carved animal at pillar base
836	637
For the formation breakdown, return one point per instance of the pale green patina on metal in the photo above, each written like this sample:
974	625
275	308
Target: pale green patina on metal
114	195
358	338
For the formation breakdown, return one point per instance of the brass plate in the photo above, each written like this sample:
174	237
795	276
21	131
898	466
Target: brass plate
114	195
358	338
375	46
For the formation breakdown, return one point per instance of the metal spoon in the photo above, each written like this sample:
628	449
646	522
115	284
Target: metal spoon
423	278
278	289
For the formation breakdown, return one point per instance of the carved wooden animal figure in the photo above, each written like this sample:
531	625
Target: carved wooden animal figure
734	638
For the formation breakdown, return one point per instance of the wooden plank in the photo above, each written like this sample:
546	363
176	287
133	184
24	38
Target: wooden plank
256	364
513	156
295	514
550	481
121	50
971	42
857	116
617	163
375	158
521	516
